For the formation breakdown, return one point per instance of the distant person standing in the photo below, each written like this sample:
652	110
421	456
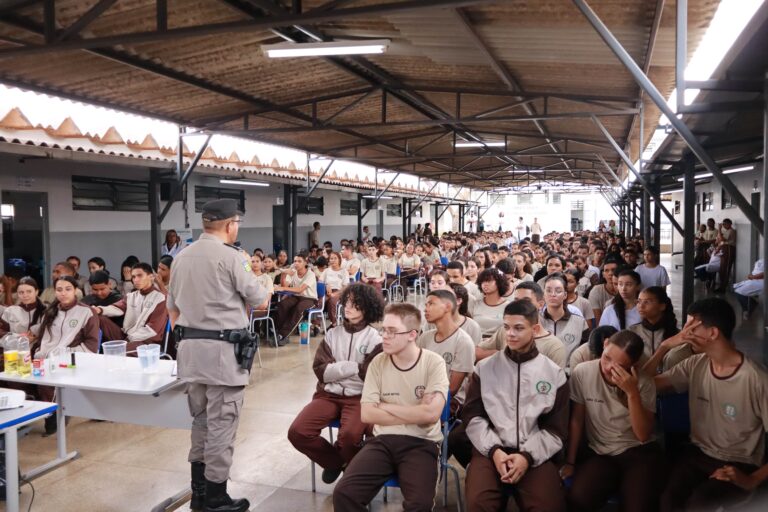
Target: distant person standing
172	244
314	235
728	247
211	283
427	231
535	231
480	225
520	229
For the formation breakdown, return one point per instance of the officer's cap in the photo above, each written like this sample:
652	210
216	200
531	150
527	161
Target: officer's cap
220	209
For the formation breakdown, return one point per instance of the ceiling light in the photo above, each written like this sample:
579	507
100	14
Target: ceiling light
244	182
528	171
727	171
324	49
481	144
377	197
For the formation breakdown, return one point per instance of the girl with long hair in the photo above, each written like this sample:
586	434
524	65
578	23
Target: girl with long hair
463	317
623	312
658	318
489	312
24	318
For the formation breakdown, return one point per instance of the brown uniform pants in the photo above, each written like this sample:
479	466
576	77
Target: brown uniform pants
216	412
290	311
636	474
726	261
305	433
412	459
110	331
690	488
540	489
331	303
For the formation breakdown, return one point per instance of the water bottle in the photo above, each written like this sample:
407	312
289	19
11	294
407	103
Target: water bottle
38	365
25	358
304	333
11	354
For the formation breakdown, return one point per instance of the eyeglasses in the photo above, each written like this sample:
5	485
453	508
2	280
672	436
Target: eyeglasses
389	333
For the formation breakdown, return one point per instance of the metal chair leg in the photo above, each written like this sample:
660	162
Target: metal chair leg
314	489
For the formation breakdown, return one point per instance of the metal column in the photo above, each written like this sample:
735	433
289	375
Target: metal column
404	213
293	236
689	221
646	221
656	238
359	216
154	210
765	214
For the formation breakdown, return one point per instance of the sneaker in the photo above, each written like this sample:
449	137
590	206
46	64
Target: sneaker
331	475
282	340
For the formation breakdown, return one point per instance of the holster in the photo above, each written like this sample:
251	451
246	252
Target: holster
244	343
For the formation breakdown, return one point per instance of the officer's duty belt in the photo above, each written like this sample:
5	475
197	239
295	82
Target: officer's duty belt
190	333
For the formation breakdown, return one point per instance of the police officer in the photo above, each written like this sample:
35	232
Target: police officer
211	283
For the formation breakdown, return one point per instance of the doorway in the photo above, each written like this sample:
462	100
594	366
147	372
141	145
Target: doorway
26	248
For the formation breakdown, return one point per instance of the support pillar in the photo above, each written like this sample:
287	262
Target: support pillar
404	212
689	226
293	237
154	211
656	235
359	217
646	218
765	213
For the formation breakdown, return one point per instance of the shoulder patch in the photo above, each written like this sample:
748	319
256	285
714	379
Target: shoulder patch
247	266
239	249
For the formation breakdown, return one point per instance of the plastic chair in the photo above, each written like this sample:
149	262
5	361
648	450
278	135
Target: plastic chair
334	424
443	260
166	337
445	467
267	317
673	413
396	291
101	335
319	308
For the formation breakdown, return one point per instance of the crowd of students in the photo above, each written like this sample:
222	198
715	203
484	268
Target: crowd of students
553	355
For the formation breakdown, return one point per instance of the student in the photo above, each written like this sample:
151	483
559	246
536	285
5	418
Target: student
335	279
728	247
403	397
728	401
593	348
25	317
372	269
448	340
438	280
555	263
516	416
462	315
163	273
658	319
81	280
489	312
97	263
572	278
125	286
61	269
143	310
101	293
172	244
282	260
623	312
341	362
349	262
270	268
751	287
615	404
302	285
651	272
265	281
571	329
523	270
602	294
472	272
456	274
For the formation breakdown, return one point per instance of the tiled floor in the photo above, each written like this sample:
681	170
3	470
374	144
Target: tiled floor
131	468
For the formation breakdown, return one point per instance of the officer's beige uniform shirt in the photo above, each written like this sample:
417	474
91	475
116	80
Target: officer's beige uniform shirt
729	416
609	429
385	382
211	283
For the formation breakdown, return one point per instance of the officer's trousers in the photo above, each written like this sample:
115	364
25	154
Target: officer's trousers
216	412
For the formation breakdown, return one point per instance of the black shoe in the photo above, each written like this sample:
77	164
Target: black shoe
197	503
282	341
50	426
217	499
331	475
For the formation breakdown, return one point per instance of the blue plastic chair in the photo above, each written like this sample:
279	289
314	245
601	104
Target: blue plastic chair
673	413
166	337
334	424
443	260
319	308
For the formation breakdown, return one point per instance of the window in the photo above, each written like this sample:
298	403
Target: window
104	194
311	205
417	212
556	197
524	199
677	207
394	210
349	207
577	205
707	201
496	199
726	200
205	194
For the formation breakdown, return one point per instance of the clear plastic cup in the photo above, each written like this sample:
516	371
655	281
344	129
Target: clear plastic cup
114	353
149	357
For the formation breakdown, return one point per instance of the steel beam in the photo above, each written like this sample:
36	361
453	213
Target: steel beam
689	221
449	203
421	200
311	190
86	19
381	194
681	49
725	85
680	127
610	170
184	178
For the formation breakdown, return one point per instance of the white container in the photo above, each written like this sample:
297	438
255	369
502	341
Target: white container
149	357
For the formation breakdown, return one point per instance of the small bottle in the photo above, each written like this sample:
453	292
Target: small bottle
11	354
25	358
304	333
38	365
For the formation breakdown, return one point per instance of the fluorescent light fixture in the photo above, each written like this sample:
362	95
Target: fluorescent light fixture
374	197
489	144
676	191
244	182
727	171
530	171
282	50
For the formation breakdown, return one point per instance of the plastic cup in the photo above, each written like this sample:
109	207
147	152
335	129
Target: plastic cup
114	353
149	357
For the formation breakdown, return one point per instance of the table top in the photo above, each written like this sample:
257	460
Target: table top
91	373
29	411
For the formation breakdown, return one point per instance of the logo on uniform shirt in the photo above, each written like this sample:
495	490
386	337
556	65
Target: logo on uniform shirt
73	323
448	357
247	266
543	387
569	339
730	411
363	349
419	391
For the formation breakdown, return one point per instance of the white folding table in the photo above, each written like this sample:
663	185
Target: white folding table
11	420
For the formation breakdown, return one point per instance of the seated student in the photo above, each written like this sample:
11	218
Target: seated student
438	280
270	268
489	312
389	264
25	317
81	280
516	415
728	400
60	269
576	300
658	319
101	293
593	348
623	312
615	403
300	282
751	287
143	310
571	329
163	274
125	286
450	341
349	262
335	279
410	263
403	397
651	272
264	280
455	271
602	294
95	264
707	272
546	343
372	269
341	363
462	315
555	264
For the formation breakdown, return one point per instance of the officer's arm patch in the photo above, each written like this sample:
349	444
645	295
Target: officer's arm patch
247	266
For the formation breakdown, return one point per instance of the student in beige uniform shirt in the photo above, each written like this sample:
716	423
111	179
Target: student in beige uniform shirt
614	403
728	400
593	348
403	397
462	314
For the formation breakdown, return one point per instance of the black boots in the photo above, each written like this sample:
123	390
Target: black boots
217	499
197	503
